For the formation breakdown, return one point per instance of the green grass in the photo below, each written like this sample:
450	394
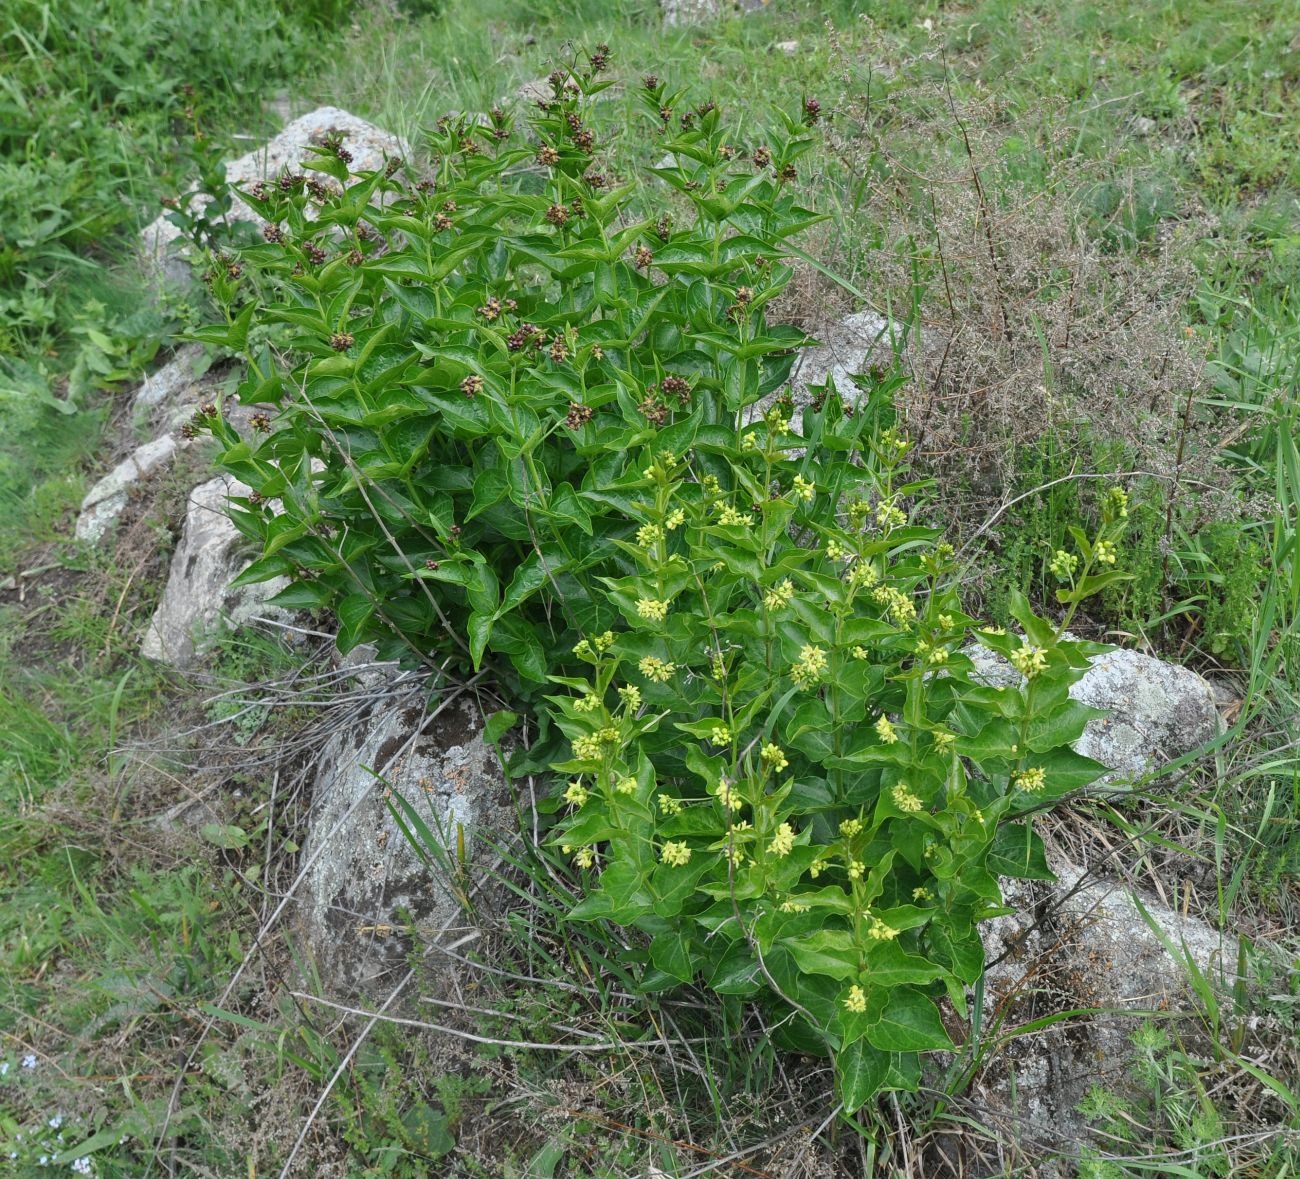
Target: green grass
1163	129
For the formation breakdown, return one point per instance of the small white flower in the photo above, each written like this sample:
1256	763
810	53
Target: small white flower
82	1166
29	1061
4	1067
56	1121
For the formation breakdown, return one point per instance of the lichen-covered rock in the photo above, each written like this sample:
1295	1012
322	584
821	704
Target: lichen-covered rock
1156	711
170	383
365	885
198	597
370	146
1079	944
104	502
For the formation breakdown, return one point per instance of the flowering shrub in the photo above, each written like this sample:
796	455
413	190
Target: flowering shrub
520	427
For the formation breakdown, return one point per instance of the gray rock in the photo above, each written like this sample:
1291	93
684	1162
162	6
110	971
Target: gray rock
689	12
198	597
364	884
1157	711
788	47
1079	943
104	502
370	147
170	382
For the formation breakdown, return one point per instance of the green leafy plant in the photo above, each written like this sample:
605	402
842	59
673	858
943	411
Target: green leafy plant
523	427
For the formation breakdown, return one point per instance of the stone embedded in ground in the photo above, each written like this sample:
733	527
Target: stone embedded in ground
105	501
689	12
1157	711
198	597
1079	943
788	47
370	146
170	383
365	884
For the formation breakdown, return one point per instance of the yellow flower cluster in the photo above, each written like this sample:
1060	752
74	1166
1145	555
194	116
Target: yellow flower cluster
779	596
782	841
804	489
1032	779
652	608
1028	660
810	666
626	786
721	735
584	857
932	654
878	931
862	576
856	1000
729	796
670	805
733	517
675	854
773	758
1063	565
1104	551
897	604
588	703
589	648
838	552
943	740
859	653
576	794
587	748
675	519
905	800
885	730
890	516
649	535
631	696
656	669
793	907
857	869
851	827
922	894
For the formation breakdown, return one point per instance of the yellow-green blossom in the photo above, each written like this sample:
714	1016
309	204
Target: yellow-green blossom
779	596
782	840
1032	779
905	800
804	489
584	857
729	796
922	894
733	517
773	758
836	551
626	786
793	907
1115	506
670	805
850	828
649	535
675	519
859	652
1028	660
1063	565
878	931
945	621
652	608
605	641
856	1001
576	794
721	735
810	666
588	703
587	748
890	516
656	669
675	854
885	730
857	869
1104	551
863	575
631	696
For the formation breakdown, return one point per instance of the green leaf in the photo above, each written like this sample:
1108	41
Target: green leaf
225	836
860	1071
828	951
671	952
904	1020
479	630
498	725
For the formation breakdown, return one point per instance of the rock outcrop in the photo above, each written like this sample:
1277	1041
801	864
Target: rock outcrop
104	502
1079	944
365	884
370	146
198	597
1156	711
